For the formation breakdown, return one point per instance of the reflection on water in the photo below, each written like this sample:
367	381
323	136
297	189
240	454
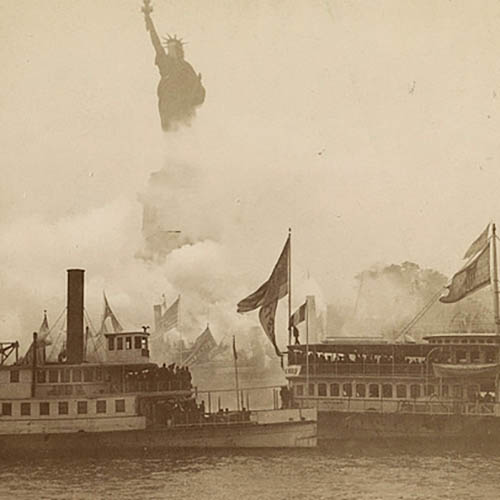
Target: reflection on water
357	472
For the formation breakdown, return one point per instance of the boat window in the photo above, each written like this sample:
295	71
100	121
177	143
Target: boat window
65	376
137	342
445	391
387	391
334	390
81	407
311	389
414	391
7	409
44	409
41	376
461	356
489	341
63	407
463	341
321	389
144	343
53	376
111	343
120	405
77	375
25	409
490	356
98	373
119	343
457	392
128	343
447	341
68	390
88	375
14	375
401	391
299	390
347	390
472	341
481	341
373	391
101	406
360	390
474	356
430	390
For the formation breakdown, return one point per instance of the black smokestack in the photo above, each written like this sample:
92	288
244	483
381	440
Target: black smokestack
74	344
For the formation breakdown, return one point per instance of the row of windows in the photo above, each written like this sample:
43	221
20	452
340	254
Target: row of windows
44	408
401	391
139	343
67	375
461	341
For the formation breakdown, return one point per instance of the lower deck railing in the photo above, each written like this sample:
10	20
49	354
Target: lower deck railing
441	407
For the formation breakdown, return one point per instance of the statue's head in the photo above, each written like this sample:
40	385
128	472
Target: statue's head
174	46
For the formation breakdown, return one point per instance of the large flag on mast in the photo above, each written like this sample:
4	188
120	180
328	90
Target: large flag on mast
472	277
478	244
267	295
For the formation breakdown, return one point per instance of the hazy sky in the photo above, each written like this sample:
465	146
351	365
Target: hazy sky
371	128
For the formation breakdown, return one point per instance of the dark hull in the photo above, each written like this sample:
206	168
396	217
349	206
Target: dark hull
276	435
342	426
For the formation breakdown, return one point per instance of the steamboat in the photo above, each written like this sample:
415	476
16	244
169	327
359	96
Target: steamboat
124	402
445	386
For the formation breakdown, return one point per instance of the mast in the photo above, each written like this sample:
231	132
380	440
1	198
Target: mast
494	278
289	285
307	346
236	380
34	365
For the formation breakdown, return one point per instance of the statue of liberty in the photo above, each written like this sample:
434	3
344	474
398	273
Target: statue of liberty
180	90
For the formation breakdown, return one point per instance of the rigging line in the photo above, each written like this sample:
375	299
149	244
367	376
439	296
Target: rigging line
96	347
426	307
56	321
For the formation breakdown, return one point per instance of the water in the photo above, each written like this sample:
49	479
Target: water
350	474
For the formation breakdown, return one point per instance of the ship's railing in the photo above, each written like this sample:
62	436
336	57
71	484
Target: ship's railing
412	406
367	369
154	386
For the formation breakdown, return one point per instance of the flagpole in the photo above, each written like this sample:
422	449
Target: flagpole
494	278
235	356
181	345
289	284
307	346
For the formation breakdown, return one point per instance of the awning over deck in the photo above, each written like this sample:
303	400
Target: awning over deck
466	370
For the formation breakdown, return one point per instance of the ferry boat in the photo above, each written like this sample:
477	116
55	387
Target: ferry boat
446	385
125	402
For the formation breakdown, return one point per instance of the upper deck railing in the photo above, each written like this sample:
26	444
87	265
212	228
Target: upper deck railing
367	369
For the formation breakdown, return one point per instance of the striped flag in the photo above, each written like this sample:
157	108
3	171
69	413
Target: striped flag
170	317
299	315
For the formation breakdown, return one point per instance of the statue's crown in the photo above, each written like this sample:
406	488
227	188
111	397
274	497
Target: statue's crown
173	39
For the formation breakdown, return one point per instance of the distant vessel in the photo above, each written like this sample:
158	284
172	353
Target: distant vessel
123	403
447	385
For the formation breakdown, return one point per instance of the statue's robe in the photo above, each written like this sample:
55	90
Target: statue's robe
179	92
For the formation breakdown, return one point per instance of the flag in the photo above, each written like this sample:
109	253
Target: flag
170	317
108	313
42	341
299	315
267	295
201	349
472	277
235	354
478	244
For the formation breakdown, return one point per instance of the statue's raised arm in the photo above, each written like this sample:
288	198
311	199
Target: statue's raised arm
155	39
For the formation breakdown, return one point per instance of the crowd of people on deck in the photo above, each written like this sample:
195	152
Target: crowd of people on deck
188	412
299	357
164	378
